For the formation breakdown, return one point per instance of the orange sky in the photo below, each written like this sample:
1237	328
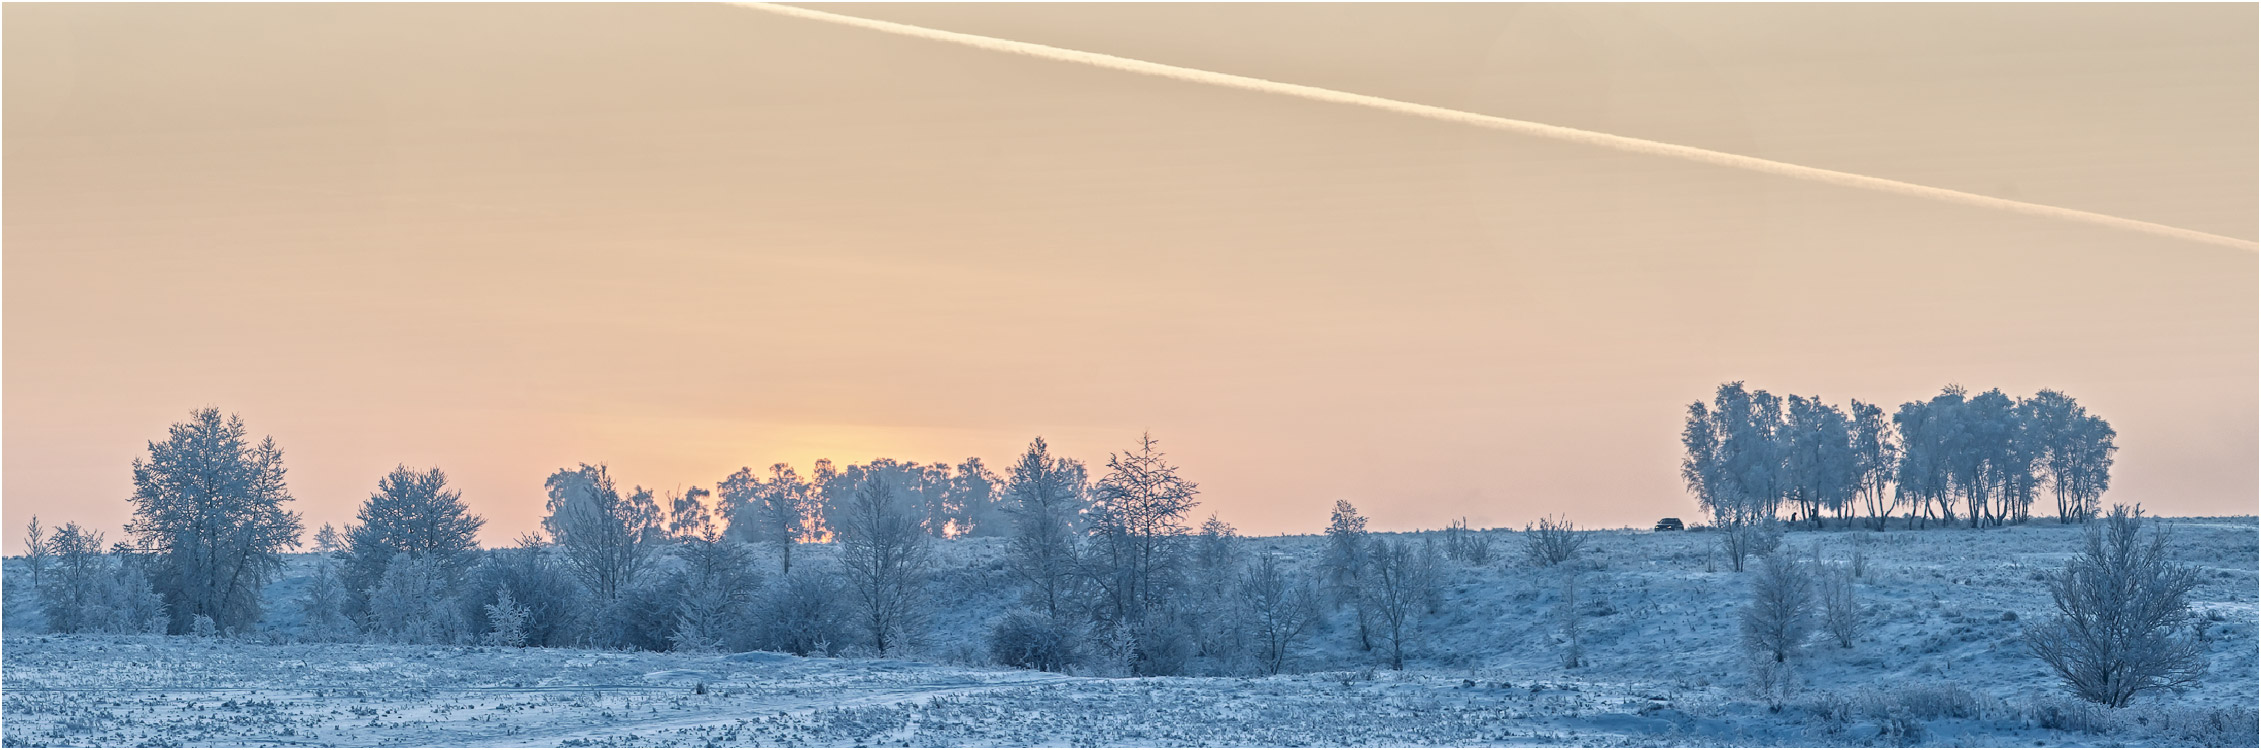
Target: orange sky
503	239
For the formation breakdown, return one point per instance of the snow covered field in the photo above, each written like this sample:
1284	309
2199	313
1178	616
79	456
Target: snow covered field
1940	665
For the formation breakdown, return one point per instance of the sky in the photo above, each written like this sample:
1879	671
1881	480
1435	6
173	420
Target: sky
681	239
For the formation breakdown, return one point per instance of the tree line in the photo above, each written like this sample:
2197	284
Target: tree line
1109	575
1751	457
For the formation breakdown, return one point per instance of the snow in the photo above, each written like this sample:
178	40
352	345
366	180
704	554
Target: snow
1941	665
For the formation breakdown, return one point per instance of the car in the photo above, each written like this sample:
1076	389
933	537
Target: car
1670	524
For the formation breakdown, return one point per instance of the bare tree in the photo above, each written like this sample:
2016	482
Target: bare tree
1552	541
1840	609
1401	584
687	514
2123	615
607	539
1281	611
1138	519
884	550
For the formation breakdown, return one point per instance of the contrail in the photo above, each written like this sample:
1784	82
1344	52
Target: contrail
1524	127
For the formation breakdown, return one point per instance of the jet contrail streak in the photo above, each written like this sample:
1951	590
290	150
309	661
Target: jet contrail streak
1555	132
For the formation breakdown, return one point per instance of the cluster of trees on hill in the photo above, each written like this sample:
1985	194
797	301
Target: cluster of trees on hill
1752	457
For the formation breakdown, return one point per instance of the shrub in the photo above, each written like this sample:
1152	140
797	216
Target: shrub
2233	726
804	613
1944	700
1028	640
1466	545
2123	611
1163	648
2061	715
1552	541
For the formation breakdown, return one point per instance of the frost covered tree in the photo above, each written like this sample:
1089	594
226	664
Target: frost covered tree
209	504
1568	617
1779	616
1988	464
1344	565
506	621
88	591
1733	464
975	493
931	486
1401	583
773	510
1282	610
1137	520
1215	572
2075	452
720	590
1927	433
1776	622
687	514
1876	458
884	556
607	539
413	602
2123	618
413	515
322	607
1821	467
1989	453
1046	499
35	549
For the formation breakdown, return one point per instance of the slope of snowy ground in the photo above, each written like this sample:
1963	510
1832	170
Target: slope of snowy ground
1940	665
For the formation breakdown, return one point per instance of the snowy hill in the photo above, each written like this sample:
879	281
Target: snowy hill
1940	663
